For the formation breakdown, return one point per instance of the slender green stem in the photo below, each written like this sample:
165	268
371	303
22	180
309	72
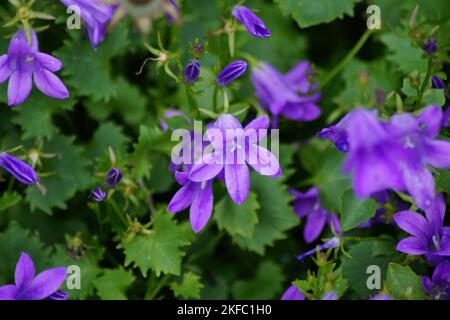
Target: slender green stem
118	212
424	84
154	290
338	68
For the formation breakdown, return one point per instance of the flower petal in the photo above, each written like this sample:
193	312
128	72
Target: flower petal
293	293
8	292
183	198
412	245
301	111
206	168
202	206
420	184
437	153
45	284
413	223
262	160
25	271
237	180
48	62
5	71
19	87
430	120
50	84
314	225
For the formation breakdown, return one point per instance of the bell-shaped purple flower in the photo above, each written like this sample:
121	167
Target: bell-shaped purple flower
98	195
114	177
24	63
293	293
428	235
231	72
19	169
308	205
192	71
254	25
234	149
96	14
337	134
291	96
438	287
28	287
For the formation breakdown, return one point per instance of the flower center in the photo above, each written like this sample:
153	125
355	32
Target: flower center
408	144
436	242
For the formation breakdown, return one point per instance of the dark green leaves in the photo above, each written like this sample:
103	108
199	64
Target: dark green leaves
403	283
189	288
113	284
355	211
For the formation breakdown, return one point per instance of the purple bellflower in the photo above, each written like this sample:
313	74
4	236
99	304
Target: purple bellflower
114	177
96	14
430	46
438	287
308	205
19	169
28	287
24	63
330	244
192	71
254	25
395	154
438	83
231	72
293	293
234	149
291	95
98	195
428	235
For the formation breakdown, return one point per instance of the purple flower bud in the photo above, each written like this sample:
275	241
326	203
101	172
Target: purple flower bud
338	136
114	177
254	25
98	195
173	14
192	71
19	169
430	46
59	295
231	72
438	83
330	244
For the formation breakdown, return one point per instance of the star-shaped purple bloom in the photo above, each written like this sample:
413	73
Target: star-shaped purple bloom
96	14
291	95
438	287
395	154
28	287
234	149
24	63
428	235
308	205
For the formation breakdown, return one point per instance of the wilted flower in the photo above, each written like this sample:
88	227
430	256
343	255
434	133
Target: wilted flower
98	195
228	138
192	71
23	63
428	235
308	205
438	287
293	293
19	169
254	25
231	72
96	14
395	154
291	96
330	244
114	177
28	287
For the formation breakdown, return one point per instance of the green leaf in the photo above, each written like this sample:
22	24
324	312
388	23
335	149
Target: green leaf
107	135
67	175
88	70
113	284
89	268
160	250
8	200
310	13
15	240
403	283
235	219
189	288
363	255
266	283
355	211
406	57
275	214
